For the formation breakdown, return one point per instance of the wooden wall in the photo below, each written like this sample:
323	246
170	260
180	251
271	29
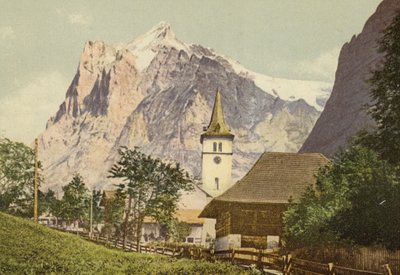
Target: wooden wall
253	221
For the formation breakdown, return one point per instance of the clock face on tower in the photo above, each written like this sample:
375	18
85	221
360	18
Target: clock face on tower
217	160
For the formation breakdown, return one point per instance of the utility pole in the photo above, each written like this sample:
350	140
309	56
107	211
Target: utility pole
91	215
35	206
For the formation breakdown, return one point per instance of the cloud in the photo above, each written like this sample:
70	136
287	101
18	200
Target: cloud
25	111
7	33
79	19
322	67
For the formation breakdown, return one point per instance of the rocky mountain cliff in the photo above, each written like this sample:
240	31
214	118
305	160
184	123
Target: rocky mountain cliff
157	92
345	112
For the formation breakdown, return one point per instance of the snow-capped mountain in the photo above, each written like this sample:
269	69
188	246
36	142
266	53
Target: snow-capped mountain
145	47
157	92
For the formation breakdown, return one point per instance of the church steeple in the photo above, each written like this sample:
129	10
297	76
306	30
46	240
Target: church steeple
217	126
217	150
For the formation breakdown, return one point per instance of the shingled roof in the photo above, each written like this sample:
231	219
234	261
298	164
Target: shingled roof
217	126
274	178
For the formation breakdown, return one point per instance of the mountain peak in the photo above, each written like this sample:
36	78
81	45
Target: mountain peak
161	28
161	33
147	45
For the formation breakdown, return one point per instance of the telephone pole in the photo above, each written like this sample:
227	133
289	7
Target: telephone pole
35	206
91	215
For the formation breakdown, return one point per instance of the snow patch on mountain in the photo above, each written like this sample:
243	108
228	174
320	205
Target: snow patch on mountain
315	93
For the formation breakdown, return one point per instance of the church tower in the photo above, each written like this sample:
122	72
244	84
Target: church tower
217	152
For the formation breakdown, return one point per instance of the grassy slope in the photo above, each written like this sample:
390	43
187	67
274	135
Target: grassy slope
29	248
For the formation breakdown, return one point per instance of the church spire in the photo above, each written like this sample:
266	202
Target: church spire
217	126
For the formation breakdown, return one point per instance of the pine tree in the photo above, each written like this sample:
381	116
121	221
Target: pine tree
76	201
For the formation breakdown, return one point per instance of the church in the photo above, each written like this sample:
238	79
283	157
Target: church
216	161
217	152
249	213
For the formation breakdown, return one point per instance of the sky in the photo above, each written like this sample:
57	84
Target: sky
41	42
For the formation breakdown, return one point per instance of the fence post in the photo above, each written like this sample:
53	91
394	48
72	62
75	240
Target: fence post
287	264
259	260
387	269
233	256
190	252
284	267
330	269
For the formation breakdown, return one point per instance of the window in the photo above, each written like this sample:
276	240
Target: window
190	240
215	147
217	183
220	147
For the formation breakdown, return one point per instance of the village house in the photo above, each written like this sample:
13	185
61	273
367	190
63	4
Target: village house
152	230
249	214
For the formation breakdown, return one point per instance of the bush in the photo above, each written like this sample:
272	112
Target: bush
356	199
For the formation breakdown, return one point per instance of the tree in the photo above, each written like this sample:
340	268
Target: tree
178	230
16	178
356	199
372	214
152	187
56	208
98	214
76	201
45	201
385	92
113	212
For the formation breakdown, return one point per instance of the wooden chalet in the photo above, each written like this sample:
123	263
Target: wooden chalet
249	214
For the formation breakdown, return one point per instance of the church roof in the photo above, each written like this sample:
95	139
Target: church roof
217	126
274	178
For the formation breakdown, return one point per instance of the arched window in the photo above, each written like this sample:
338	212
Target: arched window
220	147
217	183
215	147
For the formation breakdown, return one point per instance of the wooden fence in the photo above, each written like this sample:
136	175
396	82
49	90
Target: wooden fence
263	259
367	258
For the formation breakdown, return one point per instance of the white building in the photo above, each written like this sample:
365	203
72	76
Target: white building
217	153
217	150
